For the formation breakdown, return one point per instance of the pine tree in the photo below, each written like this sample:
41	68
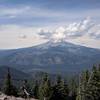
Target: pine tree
73	89
66	88
45	89
59	91
36	90
83	82
90	86
9	89
94	85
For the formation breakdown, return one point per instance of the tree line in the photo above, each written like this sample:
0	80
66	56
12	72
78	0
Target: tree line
86	87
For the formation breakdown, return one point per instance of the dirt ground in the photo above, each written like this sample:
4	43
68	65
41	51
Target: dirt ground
4	97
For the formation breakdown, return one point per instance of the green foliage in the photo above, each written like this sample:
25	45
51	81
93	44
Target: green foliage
45	88
9	89
36	90
73	89
60	90
89	88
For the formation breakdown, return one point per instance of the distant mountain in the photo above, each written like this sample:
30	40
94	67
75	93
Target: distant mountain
17	76
52	57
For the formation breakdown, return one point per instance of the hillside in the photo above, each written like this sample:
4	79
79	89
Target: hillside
17	76
51	57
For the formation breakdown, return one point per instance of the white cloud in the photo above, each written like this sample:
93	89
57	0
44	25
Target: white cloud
74	30
78	29
14	36
85	32
94	32
59	34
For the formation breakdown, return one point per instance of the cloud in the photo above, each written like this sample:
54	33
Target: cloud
23	36
73	30
44	33
85	32
39	17
27	11
14	36
12	12
94	32
78	29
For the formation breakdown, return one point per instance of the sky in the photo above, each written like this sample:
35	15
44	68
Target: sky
25	23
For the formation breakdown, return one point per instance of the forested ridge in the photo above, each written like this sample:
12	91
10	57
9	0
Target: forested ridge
85	86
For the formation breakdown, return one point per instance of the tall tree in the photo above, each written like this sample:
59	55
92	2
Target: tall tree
59	91
36	90
9	89
45	89
90	87
73	89
83	82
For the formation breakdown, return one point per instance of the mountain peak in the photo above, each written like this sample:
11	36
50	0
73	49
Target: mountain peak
62	43
51	57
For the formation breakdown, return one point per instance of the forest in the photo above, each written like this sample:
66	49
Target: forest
85	86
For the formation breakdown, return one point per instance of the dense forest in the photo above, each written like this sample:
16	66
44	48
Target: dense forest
85	86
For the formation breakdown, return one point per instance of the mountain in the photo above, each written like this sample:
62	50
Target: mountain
51	57
16	74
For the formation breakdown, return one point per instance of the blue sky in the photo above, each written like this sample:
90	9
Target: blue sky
28	17
36	12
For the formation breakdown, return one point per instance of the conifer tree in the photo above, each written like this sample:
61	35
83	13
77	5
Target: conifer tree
36	90
59	91
93	87
91	90
9	89
73	89
83	84
45	89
